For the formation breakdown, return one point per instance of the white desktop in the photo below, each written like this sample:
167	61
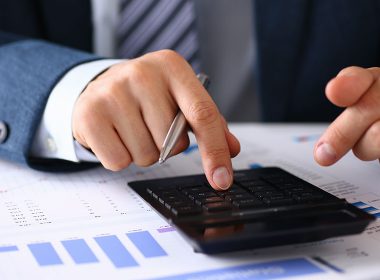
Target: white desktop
91	225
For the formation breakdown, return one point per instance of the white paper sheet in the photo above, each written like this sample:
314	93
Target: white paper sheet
91	225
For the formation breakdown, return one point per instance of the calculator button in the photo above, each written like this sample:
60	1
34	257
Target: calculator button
260	188
295	190
286	186
193	190
149	191
308	196
269	194
237	196
181	211
217	206
253	183
201	201
233	191
155	195
282	180
185	185
201	195
174	204
277	201
247	203
170	198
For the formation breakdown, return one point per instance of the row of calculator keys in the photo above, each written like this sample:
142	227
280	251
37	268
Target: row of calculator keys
193	200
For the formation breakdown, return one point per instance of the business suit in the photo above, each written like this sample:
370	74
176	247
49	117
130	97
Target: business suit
295	40
30	68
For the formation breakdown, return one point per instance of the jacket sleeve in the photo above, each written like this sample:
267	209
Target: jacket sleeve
29	70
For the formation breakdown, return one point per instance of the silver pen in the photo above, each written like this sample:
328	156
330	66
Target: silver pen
177	127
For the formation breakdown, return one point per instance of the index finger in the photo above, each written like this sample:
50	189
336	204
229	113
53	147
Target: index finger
203	117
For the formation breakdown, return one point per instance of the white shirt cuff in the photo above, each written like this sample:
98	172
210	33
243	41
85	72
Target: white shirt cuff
54	138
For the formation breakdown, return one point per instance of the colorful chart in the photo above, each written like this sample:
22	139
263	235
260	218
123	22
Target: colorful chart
45	253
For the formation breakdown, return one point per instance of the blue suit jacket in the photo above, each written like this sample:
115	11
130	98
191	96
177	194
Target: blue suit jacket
301	45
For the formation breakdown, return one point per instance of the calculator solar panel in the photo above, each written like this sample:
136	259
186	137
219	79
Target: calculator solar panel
264	207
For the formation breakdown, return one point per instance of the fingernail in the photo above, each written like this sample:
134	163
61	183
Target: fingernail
325	154
222	178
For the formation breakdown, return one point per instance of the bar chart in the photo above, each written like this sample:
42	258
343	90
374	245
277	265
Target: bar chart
48	258
5	249
255	165
367	208
79	251
118	253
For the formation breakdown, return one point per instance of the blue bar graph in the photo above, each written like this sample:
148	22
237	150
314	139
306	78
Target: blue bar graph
369	209
116	252
359	204
79	251
4	249
45	254
146	244
255	166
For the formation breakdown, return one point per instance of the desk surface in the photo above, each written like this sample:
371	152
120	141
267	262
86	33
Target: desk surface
91	225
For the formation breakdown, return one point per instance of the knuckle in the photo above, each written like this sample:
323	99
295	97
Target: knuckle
117	164
203	113
172	61
217	153
137	73
146	159
341	137
104	94
86	121
169	56
102	87
80	116
368	106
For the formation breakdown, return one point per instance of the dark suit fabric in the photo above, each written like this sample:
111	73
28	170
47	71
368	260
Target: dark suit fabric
303	44
66	23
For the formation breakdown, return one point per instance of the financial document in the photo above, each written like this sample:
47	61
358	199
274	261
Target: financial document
91	225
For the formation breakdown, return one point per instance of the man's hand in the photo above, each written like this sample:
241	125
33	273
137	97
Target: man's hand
358	127
124	114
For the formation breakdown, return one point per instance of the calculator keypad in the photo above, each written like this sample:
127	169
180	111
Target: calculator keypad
270	191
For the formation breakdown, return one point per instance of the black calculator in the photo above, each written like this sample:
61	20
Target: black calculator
264	207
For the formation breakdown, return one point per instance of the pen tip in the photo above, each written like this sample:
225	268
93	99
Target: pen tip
161	161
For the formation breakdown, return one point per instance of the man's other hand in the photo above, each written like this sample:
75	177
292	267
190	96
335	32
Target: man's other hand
124	114
358	127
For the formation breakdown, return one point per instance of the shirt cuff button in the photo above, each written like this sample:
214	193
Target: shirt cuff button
3	132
